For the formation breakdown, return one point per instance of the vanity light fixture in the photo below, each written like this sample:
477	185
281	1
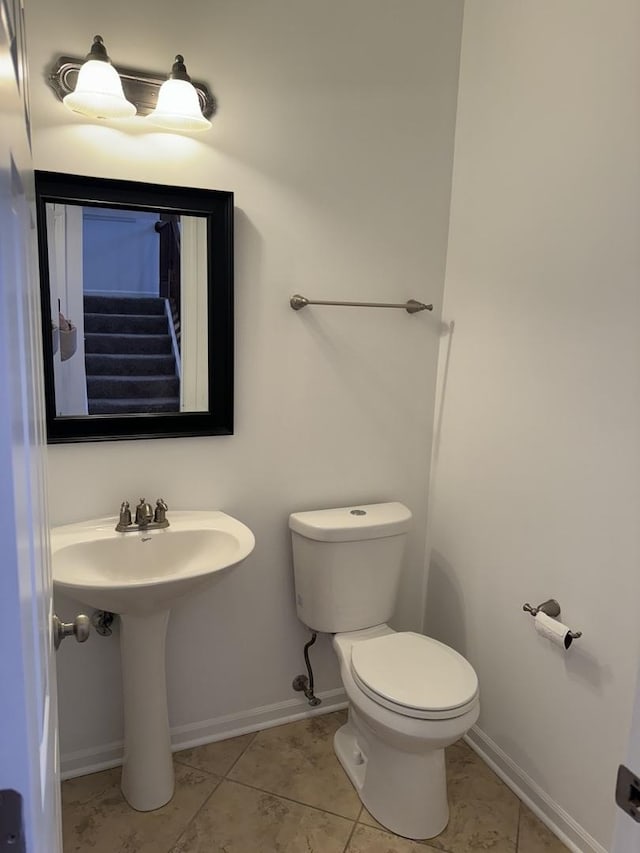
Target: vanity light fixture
98	92
178	104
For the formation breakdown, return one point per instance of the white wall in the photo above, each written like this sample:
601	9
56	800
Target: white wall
537	470
335	131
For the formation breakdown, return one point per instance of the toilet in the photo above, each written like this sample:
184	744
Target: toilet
409	695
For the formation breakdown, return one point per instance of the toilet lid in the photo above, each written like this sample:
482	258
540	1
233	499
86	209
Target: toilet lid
415	672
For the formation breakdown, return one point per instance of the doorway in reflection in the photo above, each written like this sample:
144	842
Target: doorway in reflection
131	284
116	295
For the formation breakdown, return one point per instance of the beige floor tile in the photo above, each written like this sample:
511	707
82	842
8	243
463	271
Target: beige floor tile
366	817
237	819
297	761
365	839
483	811
97	818
534	837
217	758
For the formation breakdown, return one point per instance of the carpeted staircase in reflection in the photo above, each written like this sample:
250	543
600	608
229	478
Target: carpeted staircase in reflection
129	356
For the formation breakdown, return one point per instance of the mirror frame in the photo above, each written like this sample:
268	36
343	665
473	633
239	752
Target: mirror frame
217	207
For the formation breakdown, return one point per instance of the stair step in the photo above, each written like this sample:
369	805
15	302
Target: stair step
133	406
126	323
130	344
117	364
126	387
123	304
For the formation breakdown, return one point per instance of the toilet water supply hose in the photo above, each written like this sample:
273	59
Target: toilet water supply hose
304	683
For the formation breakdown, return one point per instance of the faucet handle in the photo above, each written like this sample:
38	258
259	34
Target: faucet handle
124	521
161	510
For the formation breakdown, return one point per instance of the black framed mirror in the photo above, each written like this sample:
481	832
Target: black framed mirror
137	308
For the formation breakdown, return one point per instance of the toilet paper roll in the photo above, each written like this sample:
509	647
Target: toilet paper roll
553	630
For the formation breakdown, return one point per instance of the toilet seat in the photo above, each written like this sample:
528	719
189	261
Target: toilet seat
414	675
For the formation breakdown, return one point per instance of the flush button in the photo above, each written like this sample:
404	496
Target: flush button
358	512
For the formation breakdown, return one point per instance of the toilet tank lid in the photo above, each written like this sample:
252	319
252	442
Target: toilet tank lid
352	523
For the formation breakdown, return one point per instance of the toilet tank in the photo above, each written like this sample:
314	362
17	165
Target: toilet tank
347	564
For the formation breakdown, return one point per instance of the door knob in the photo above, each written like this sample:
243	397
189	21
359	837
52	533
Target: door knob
79	628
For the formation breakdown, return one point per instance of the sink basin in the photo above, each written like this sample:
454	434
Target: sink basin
146	572
140	575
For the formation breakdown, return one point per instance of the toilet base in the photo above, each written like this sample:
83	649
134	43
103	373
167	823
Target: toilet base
404	791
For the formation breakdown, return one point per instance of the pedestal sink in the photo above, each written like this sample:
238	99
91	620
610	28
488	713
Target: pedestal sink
140	575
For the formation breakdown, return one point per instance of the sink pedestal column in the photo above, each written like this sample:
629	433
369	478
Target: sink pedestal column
147	771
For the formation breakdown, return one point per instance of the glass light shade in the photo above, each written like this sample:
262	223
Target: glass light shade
178	107
98	92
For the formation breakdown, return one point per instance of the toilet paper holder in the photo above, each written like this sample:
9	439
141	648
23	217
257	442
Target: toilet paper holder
552	609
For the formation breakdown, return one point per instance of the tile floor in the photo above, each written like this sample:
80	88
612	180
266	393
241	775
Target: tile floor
282	791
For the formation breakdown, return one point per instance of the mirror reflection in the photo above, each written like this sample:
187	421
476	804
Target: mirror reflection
128	292
136	283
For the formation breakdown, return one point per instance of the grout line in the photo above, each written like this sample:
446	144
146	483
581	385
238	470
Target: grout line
254	736
218	776
422	842
196	813
353	829
184	763
426	843
368	824
291	800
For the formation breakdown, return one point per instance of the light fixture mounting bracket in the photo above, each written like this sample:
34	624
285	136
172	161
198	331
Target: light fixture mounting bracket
140	87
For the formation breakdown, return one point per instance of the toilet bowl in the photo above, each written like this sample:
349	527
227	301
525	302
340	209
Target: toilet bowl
393	751
410	696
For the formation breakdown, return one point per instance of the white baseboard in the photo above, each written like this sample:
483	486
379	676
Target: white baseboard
574	836
92	760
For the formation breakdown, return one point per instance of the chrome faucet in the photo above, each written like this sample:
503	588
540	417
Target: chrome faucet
144	513
145	518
